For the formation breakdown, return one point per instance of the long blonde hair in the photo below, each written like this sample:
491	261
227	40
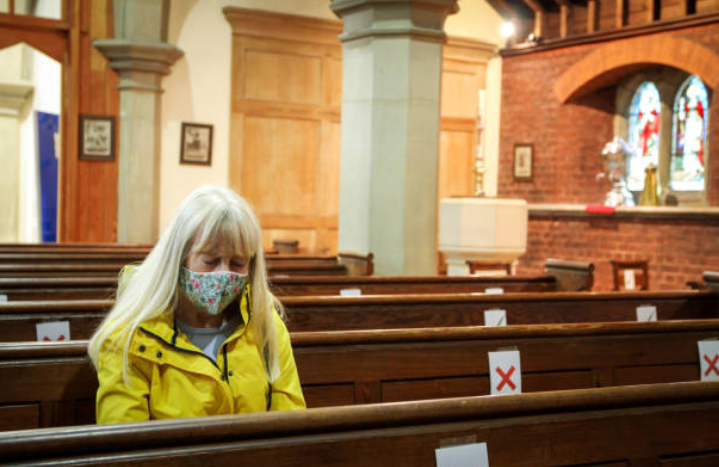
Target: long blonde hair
208	216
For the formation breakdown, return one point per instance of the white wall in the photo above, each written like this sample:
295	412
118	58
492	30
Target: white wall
475	19
46	78
198	87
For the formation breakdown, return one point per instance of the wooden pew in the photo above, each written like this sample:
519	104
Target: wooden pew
61	288
399	285
561	276
48	288
111	268
18	319
119	258
53	384
57	288
671	425
415	311
74	247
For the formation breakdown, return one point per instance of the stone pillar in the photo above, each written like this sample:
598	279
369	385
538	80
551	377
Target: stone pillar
141	57
13	96
392	61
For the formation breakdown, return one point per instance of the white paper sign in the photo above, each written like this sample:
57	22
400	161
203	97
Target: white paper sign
3	298
646	313
56	331
494	291
505	373
629	279
350	292
709	360
466	455
495	317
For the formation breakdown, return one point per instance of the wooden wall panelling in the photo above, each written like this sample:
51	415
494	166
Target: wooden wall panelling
620	13
592	7
67	185
565	9
463	75
286	106
48	36
706	6
286	103
578	20
606	13
672	9
552	24
88	189
639	12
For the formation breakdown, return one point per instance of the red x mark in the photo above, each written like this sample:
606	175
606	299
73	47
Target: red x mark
61	338
712	364
506	378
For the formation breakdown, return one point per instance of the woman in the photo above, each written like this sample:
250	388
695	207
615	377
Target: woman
195	330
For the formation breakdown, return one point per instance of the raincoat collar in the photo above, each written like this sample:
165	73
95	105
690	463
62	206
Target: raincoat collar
165	329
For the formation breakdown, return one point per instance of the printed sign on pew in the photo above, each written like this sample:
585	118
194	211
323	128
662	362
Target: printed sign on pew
350	292
646	313
53	331
495	317
466	455
709	359
505	372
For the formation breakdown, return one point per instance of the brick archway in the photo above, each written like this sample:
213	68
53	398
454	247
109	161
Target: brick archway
665	50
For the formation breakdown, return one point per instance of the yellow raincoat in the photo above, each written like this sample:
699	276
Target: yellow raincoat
172	378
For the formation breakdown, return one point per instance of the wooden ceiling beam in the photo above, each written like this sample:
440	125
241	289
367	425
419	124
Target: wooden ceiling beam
565	10
591	16
539	15
620	13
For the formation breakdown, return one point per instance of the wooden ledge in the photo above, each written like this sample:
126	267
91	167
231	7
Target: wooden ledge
30	350
610	35
625	212
105	439
459	333
520	297
318	301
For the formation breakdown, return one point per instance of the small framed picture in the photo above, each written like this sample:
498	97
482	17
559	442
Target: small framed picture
97	137
523	161
196	144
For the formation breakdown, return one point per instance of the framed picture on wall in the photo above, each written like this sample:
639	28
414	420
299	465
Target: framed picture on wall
196	144
523	161
97	137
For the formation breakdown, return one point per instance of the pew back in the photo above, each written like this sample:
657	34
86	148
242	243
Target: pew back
668	425
18	319
48	288
111	268
53	384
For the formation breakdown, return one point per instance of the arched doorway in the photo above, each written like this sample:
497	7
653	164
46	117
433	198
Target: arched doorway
33	47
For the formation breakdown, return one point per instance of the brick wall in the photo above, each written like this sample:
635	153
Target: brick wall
677	250
568	139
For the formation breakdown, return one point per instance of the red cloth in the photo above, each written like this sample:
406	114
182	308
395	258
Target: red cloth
599	209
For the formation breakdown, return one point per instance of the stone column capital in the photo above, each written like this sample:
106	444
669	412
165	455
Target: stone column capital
13	95
131	57
418	19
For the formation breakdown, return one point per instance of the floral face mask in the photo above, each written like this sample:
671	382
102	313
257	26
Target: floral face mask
211	291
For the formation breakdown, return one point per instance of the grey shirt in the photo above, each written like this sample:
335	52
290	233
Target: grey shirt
210	340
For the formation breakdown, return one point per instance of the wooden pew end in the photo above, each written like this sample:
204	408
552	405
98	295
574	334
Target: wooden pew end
357	264
572	276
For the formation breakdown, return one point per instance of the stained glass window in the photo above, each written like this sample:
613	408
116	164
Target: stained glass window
689	136
644	118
